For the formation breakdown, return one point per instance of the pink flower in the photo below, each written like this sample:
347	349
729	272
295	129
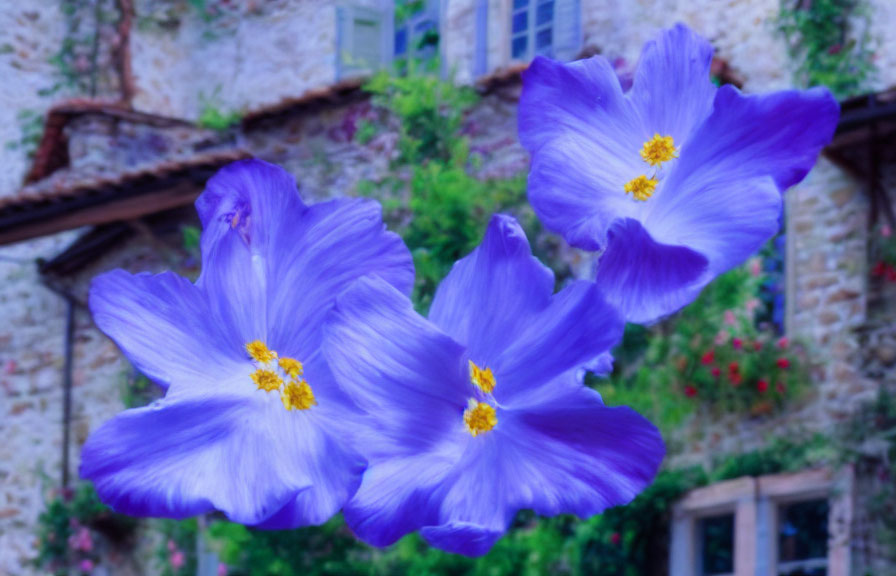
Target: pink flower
751	305
730	318
222	569
10	366
783	363
783	343
755	267
177	560
737	343
171	546
762	386
885	231
716	372
721	338
708	358
86	565
690	391
615	538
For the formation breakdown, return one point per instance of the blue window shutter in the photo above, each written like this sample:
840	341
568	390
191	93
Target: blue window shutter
364	38
480	57
567	29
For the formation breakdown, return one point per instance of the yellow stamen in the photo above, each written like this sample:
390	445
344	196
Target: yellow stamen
479	417
267	380
292	367
260	352
298	396
641	187
659	149
483	378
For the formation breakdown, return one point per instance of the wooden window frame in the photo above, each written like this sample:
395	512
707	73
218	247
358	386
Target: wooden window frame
755	503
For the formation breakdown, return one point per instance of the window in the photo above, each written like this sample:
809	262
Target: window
716	545
418	36
363	39
546	28
780	525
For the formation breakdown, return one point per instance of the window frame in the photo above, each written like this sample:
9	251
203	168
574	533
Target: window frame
532	29
755	502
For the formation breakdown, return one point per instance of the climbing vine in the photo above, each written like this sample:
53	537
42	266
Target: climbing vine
830	43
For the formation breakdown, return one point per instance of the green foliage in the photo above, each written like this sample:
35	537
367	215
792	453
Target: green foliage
71	527
176	553
137	390
830	42
31	129
431	196
710	354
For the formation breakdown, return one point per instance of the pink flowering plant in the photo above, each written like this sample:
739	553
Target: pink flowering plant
717	354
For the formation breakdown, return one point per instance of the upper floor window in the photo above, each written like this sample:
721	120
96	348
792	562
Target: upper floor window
364	39
417	33
545	27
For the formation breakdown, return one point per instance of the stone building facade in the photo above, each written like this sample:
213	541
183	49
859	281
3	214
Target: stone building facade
291	70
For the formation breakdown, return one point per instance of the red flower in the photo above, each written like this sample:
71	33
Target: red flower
716	372
708	358
690	391
783	342
879	269
733	368
735	378
737	343
615	538
783	363
757	345
762	386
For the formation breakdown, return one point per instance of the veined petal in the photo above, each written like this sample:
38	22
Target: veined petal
467	538
757	135
396	365
583	97
644	279
176	459
573	332
329	433
672	90
163	325
331	246
248	210
398	495
582	456
584	137
488	296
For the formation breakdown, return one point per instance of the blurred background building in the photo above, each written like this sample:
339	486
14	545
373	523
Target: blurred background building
115	112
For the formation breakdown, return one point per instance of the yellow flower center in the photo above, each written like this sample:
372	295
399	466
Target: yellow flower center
483	379
659	149
479	417
283	376
259	351
655	152
641	188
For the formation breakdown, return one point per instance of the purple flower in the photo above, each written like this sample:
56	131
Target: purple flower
479	412
677	180
252	422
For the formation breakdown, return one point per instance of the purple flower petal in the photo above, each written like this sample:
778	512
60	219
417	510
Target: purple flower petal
341	241
263	249
576	329
583	456
397	366
645	279
178	459
163	325
488	296
672	90
334	427
465	538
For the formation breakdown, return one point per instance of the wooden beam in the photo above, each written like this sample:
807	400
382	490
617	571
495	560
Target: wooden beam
103	212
